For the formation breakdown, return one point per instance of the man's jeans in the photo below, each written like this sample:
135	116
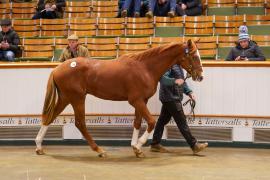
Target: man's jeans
133	5
7	55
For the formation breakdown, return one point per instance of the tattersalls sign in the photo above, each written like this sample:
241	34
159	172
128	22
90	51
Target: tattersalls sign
7	122
127	120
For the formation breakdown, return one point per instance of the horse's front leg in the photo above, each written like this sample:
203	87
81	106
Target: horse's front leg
140	107
79	110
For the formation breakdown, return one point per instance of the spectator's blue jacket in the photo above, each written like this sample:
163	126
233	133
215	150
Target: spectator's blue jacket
169	91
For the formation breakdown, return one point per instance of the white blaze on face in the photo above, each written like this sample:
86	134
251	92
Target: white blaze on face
198	54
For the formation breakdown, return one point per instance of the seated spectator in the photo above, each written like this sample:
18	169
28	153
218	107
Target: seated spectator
161	8
189	8
49	9
74	49
129	11
133	6
245	49
10	41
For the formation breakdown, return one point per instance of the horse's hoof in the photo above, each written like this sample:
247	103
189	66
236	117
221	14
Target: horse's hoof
101	152
103	155
40	152
140	155
138	152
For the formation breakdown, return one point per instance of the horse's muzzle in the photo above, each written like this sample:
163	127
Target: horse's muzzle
200	78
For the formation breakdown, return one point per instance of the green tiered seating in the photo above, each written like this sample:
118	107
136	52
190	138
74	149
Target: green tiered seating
168	27
109	37
221	8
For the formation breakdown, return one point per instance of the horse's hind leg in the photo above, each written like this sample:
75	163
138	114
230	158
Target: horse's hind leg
60	106
79	110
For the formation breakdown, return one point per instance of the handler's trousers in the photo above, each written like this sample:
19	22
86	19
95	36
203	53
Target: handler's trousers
175	110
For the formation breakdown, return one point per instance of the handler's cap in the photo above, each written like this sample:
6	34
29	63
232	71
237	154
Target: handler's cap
73	37
6	22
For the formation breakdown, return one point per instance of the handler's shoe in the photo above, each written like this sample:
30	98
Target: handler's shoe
159	148
199	147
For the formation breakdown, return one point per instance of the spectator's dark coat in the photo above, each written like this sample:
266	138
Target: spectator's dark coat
12	38
59	4
252	52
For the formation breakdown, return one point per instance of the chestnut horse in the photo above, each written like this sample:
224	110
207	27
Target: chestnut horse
132	77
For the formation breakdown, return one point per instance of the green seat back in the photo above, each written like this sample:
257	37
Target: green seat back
251	10
221	11
259	29
266	51
169	31
57	54
223	52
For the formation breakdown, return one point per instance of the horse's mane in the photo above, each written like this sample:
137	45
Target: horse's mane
156	51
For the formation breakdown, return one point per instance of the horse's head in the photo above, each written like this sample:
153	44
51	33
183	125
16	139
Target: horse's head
191	61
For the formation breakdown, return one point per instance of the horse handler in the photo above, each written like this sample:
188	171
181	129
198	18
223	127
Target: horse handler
172	87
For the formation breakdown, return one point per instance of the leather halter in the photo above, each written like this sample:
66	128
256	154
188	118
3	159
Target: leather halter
190	69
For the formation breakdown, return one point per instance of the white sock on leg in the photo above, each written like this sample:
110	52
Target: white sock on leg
135	137
143	139
41	135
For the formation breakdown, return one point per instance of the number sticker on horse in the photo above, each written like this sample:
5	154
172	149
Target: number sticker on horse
73	64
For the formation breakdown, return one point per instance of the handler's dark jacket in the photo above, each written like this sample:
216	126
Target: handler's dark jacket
252	52
169	91
13	39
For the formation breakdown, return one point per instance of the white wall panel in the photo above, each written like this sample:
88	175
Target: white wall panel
22	90
234	91
225	90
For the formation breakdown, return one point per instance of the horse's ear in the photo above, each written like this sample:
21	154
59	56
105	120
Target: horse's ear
198	40
189	43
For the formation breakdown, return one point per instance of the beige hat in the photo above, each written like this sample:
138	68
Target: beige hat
73	37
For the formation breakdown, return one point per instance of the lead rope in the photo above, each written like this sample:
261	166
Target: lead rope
188	76
191	102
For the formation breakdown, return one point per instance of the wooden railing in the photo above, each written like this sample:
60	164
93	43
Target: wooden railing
14	65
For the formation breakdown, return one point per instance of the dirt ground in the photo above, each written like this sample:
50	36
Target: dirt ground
80	163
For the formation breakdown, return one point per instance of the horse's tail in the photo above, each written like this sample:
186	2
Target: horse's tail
50	100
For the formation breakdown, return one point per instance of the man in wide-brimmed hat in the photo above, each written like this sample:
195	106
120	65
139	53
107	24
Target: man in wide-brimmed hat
9	41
